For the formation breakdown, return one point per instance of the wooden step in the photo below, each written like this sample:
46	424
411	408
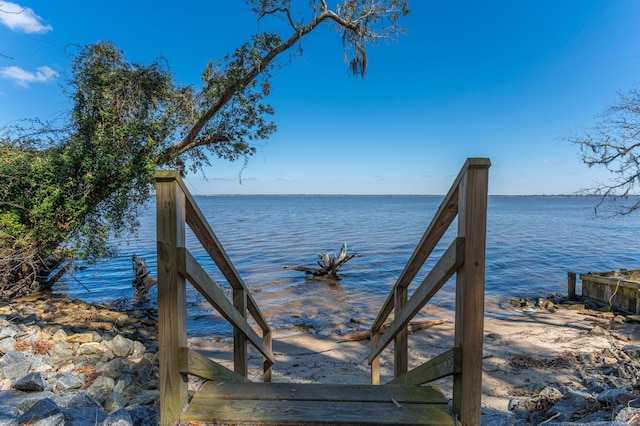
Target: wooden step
309	404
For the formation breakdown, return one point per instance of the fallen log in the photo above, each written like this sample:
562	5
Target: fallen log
413	327
329	263
142	281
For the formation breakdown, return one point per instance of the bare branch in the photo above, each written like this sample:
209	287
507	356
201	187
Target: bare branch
280	10
189	141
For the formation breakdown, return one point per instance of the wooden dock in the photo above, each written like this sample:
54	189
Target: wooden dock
229	398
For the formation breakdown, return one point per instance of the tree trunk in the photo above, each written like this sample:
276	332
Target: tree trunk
30	274
142	282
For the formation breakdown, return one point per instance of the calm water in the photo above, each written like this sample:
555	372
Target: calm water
531	244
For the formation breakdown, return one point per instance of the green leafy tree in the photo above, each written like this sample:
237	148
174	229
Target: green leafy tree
67	188
614	143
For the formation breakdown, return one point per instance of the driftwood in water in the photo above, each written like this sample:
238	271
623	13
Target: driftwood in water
413	326
329	263
142	282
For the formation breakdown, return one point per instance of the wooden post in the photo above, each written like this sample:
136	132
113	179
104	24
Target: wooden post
401	349
266	364
469	325
239	340
375	364
571	285
170	222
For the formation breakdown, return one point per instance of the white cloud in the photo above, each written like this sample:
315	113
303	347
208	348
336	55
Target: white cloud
19	18
23	77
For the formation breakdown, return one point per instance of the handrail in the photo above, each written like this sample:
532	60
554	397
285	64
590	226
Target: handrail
465	257
176	208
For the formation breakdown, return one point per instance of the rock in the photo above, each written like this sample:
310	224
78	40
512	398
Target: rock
84	400
14	403
101	387
116	367
8	421
571	402
598	416
619	319
119	418
617	382
9	330
549	390
67	381
619	336
144	370
576	307
114	402
92	348
139	396
633	351
61	353
43	413
42	363
7	344
121	346
138	349
83	416
614	397
80	338
633	318
521	404
122	382
587	358
598	331
32	382
495	418
14	364
143	417
544	304
60	336
628	414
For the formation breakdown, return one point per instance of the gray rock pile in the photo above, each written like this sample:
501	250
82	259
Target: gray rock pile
66	362
610	378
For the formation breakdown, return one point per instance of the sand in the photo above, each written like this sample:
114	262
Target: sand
542	341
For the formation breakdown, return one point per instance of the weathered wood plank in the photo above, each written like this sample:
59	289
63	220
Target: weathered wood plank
194	363
469	325
266	363
571	285
375	362
443	365
441	272
321	392
239	340
296	403
610	280
314	412
317	412
400	336
199	278
170	213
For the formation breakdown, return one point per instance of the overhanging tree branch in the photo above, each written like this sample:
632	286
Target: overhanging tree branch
614	143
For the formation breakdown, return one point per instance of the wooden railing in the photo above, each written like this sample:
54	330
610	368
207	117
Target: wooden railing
176	207
465	257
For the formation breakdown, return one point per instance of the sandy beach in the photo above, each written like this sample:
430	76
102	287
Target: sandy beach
522	354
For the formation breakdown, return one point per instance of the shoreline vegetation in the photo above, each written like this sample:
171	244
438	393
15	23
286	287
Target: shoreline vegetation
83	363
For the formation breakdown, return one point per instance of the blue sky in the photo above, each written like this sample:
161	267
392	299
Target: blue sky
499	79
